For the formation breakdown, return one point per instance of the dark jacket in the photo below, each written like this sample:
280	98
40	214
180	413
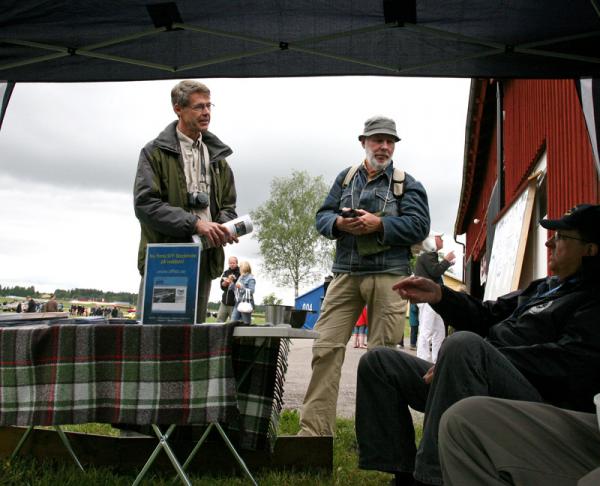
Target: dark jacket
228	297
429	266
31	306
160	195
554	339
405	221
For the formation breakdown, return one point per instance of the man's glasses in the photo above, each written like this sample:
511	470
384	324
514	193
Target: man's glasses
559	236
202	106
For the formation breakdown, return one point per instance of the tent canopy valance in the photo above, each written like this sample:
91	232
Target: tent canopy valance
74	41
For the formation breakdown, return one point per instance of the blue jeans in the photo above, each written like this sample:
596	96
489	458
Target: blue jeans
389	381
413	318
245	317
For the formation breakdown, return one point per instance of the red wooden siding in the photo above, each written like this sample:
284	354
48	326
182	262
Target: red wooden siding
538	114
548	112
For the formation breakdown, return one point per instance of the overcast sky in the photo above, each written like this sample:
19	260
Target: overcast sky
68	155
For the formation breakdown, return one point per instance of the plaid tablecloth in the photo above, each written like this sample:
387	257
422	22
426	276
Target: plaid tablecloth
133	374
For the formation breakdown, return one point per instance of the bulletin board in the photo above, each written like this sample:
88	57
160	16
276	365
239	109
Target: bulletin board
510	240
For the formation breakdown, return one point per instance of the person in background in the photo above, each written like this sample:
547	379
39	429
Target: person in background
19	308
539	344
31	305
185	187
360	330
413	320
244	289
375	211
495	442
431	325
229	277
51	305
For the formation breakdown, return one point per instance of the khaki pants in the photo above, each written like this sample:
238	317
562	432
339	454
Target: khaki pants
345	299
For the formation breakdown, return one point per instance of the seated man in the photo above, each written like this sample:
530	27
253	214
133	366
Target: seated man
541	344
492	441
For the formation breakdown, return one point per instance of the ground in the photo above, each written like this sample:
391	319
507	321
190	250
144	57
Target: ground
298	376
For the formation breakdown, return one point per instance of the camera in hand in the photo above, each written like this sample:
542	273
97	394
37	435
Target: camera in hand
198	200
349	213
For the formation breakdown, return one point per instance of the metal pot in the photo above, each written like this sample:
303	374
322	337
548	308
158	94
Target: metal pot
277	314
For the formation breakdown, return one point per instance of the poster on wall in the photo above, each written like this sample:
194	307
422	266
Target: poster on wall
510	239
171	283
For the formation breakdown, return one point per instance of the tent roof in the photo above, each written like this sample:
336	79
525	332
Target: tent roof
111	40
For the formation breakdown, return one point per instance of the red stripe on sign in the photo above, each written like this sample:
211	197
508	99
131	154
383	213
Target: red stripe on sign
54	332
187	343
118	371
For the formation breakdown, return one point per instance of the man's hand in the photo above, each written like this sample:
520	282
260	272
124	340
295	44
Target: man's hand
450	257
363	224
215	233
428	377
419	290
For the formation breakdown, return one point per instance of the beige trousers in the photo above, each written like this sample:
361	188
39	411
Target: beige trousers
344	301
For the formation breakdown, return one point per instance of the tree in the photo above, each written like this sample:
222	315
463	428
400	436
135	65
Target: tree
292	250
271	299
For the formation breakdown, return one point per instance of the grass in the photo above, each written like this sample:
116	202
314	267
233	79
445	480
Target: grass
29	472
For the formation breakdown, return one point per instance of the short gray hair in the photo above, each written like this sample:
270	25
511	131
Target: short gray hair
180	94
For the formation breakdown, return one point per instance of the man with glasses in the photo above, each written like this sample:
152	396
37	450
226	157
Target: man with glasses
375	212
541	344
184	186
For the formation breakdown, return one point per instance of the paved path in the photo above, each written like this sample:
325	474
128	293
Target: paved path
298	376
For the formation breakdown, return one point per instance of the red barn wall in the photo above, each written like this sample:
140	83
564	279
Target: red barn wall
538	114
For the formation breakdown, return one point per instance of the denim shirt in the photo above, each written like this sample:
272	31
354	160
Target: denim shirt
248	283
405	221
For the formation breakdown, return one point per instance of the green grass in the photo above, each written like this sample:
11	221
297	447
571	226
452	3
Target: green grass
28	472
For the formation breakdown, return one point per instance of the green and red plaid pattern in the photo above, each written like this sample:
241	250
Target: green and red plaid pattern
70	374
133	374
260	391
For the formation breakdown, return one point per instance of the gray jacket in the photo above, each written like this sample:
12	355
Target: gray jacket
405	221
429	266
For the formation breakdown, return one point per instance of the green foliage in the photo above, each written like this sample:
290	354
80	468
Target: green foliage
271	299
292	250
66	295
19	291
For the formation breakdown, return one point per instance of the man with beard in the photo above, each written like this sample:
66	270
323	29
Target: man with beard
184	186
375	212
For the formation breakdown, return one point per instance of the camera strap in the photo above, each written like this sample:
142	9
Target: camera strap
200	177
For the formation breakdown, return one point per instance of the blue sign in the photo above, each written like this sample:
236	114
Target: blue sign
171	283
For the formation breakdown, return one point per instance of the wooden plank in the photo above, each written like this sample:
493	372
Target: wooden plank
128	454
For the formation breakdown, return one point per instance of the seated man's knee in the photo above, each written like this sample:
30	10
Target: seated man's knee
460	342
381	359
460	416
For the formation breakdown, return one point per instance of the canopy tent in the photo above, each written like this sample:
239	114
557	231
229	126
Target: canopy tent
130	40
88	40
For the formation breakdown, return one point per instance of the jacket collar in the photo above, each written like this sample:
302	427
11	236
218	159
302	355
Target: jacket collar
167	140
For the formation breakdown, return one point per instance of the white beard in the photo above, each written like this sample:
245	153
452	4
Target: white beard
374	163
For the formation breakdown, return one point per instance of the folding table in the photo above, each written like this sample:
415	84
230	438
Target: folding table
126	373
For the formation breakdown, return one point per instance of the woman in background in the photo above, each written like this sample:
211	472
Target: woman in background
245	285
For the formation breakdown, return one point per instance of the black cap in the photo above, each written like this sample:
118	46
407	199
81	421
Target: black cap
584	218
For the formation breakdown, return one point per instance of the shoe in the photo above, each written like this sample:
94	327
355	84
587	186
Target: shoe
413	348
